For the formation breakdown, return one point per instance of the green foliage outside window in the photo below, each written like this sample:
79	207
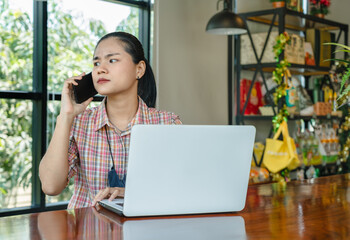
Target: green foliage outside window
16	63
70	50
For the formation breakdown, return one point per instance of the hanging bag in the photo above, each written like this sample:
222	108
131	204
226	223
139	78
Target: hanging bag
280	154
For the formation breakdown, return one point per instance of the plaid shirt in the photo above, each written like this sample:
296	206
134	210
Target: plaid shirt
88	154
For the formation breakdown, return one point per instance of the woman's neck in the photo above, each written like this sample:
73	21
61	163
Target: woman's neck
121	110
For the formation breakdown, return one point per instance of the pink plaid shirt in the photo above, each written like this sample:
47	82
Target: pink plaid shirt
88	154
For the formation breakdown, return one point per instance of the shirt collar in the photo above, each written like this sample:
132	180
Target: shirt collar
141	116
101	116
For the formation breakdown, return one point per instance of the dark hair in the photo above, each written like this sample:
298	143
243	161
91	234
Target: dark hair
146	89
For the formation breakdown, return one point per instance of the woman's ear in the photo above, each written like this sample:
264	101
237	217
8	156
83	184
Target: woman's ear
140	69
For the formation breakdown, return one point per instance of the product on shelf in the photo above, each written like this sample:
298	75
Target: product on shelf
322	52
318	147
294	51
255	99
267	110
309	148
322	108
305	103
258	175
247	52
292	101
309	54
328	140
325	96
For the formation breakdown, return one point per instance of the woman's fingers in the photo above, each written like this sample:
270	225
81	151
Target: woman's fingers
69	82
110	193
73	80
87	102
102	194
68	104
114	194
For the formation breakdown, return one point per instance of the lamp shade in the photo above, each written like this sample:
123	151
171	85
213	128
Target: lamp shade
226	23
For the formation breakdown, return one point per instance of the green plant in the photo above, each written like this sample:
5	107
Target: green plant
280	75
344	94
342	102
277	0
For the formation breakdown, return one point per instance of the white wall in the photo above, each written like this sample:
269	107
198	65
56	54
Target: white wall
191	65
339	12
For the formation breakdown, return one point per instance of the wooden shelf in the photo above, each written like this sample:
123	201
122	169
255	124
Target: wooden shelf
295	27
294	117
295	69
294	20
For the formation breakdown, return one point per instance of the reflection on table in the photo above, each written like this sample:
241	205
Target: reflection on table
310	209
102	224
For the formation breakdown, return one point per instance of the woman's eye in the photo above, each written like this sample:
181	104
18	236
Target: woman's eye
96	64
113	60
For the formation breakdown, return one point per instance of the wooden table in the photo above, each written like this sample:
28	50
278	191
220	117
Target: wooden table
310	209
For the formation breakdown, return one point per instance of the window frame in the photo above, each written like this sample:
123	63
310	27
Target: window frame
40	97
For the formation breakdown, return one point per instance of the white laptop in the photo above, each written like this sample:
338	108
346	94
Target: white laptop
186	169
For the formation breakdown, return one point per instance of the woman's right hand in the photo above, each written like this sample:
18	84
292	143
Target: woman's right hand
68	105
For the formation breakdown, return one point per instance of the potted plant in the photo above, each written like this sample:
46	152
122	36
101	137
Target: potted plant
344	93
343	100
319	8
278	3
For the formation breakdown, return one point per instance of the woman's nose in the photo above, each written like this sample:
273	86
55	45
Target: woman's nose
101	69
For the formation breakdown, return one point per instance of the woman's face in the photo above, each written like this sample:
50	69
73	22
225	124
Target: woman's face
114	72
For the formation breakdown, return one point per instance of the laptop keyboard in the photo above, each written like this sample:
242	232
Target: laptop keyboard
120	204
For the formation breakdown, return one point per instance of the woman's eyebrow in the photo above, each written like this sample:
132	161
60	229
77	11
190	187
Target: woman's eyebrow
107	56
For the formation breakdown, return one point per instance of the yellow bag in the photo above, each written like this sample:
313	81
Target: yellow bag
281	154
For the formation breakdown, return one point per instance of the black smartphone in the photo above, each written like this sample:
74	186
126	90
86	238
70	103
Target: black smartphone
85	89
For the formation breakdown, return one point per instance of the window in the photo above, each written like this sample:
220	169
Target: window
31	80
16	64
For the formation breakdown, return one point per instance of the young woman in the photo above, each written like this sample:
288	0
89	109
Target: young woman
93	144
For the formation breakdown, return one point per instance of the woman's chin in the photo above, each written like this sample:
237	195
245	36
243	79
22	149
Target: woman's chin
102	92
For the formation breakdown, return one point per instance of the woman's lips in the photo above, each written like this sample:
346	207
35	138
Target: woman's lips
102	80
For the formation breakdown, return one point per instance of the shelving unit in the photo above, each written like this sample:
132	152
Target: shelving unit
285	20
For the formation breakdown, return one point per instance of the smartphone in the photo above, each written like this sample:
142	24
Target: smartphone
85	89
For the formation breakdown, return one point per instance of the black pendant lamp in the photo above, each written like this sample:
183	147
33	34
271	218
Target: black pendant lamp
226	22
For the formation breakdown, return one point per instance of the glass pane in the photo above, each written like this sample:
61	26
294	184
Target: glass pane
15	153
74	28
16	45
